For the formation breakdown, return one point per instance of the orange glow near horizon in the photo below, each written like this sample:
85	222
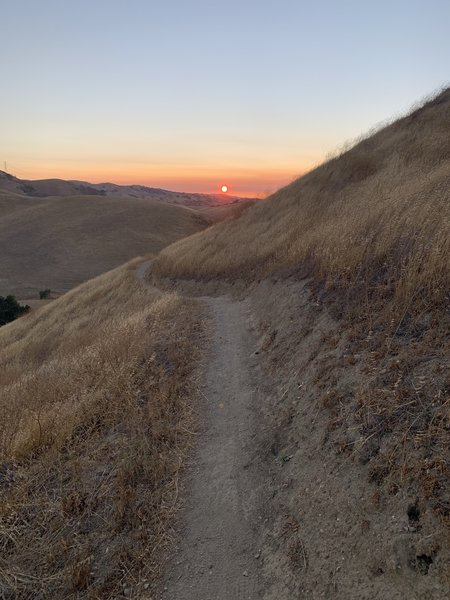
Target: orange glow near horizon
249	182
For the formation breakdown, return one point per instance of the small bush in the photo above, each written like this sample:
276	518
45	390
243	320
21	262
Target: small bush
43	294
10	309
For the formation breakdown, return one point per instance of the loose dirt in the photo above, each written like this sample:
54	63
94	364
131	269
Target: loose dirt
218	555
218	551
272	510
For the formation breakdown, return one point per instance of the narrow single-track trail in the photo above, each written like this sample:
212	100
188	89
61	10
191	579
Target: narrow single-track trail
217	553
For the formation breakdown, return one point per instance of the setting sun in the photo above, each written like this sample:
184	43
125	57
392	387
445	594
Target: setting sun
224	189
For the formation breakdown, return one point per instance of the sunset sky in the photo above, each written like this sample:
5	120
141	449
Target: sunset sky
189	95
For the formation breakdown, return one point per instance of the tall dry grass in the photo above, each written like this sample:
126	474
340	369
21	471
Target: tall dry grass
378	214
369	231
95	420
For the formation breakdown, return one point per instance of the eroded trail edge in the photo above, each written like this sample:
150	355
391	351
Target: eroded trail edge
217	556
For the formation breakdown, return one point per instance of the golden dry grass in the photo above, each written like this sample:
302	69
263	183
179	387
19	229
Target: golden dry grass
58	243
233	210
378	213
95	420
370	231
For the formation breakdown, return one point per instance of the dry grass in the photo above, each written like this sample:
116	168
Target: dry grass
370	229
58	243
232	210
95	420
378	215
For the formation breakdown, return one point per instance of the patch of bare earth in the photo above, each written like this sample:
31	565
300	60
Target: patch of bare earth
359	478
218	551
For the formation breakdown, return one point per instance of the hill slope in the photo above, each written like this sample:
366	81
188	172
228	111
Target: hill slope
41	188
57	243
358	208
94	427
347	273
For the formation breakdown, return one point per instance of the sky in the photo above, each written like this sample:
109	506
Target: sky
193	94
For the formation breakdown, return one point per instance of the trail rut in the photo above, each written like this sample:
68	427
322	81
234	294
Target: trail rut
217	555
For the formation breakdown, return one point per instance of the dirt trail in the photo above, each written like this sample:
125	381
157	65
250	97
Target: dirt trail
141	271
326	531
217	556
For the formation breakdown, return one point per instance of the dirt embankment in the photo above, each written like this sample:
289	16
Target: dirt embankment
349	515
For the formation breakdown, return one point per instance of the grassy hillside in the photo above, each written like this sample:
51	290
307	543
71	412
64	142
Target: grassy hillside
379	213
348	272
45	187
11	201
38	188
94	425
57	243
232	210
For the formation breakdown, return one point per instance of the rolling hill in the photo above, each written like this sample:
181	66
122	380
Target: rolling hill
58	242
55	233
41	188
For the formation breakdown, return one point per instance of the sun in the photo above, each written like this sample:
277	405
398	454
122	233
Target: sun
224	189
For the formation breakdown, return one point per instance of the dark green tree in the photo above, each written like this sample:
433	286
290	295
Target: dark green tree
10	309
43	294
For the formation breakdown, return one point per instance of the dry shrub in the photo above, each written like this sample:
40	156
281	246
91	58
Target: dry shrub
93	435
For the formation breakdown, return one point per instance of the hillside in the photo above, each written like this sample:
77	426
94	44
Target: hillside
57	242
183	198
55	233
41	188
93	431
12	201
349	211
346	275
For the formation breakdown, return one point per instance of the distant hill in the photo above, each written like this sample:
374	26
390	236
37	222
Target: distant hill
142	191
56	234
40	188
59	242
